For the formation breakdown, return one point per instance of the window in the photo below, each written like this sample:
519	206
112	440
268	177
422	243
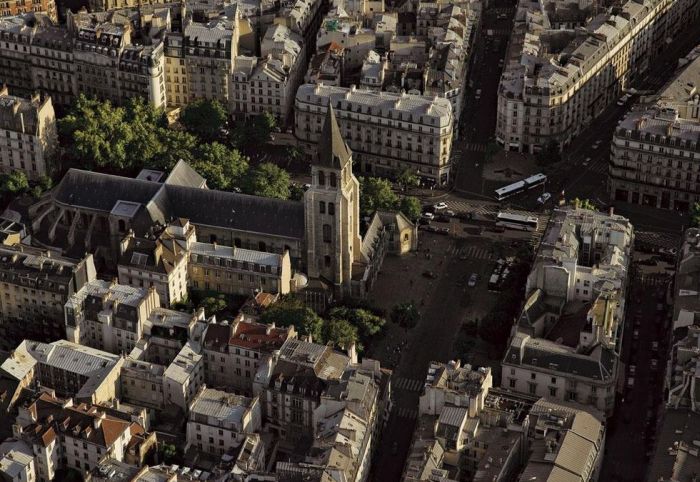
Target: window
326	233
262	246
334	180
532	376
511	382
321	178
331	209
322	207
327	261
552	392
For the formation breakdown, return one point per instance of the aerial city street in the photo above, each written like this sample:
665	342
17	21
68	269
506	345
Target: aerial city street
350	240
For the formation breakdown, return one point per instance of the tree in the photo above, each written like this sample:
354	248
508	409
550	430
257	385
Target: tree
294	153
695	215
584	204
222	167
41	186
14	183
407	179
376	194
549	154
262	127
176	145
339	332
145	128
204	118
268	180
410	206
405	314
95	134
367	323
290	311
213	304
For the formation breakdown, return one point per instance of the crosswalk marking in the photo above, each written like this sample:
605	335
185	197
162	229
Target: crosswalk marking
409	413
409	384
475	147
469	252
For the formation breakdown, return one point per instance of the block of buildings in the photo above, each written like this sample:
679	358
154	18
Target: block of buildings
387	132
17	461
35	286
655	150
64	435
89	211
28	130
566	341
566	64
234	352
71	370
109	316
218	421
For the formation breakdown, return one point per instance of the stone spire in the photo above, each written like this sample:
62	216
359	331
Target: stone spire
332	150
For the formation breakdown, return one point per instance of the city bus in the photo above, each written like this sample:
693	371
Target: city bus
520	186
516	221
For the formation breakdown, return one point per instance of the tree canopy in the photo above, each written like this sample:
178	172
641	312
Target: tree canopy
267	180
205	119
367	323
695	215
253	132
14	182
407	179
339	332
376	193
405	314
292	311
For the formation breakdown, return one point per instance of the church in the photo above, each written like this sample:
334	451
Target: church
90	212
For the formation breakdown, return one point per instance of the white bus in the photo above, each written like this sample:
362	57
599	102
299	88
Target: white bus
510	190
520	186
516	221
535	180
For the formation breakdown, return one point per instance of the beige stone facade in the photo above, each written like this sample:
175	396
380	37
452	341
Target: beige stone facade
27	135
386	132
563	70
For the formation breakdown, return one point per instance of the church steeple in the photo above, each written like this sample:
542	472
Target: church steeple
332	150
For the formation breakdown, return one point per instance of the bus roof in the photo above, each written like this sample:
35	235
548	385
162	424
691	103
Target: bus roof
515	217
535	178
510	187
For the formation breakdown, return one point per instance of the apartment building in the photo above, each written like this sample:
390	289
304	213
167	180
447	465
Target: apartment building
655	152
63	436
219	421
199	60
566	344
349	417
94	54
18	7
292	392
387	132
558	429
28	132
235	352
160	263
34	286
17	461
184	377
109	316
327	66
71	370
228	269
564	67
142	383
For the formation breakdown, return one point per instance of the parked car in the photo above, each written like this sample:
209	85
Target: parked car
623	100
478	94
450	213
654	346
443	230
440	206
428	216
544	198
633	369
442	218
635	335
654	363
630	382
472	280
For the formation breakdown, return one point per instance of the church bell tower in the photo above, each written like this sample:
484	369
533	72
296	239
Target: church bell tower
332	210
